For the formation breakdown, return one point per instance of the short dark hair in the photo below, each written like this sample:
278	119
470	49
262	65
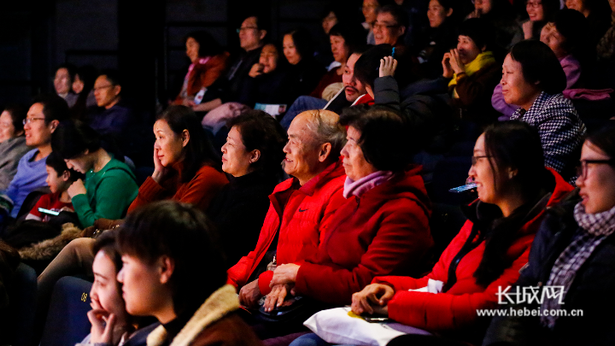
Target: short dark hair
262	21
549	9
208	46
261	131
113	76
72	138
480	31
199	150
107	242
540	65
303	42
574	28
185	235
54	107
398	13
55	161
352	33
18	113
384	139
366	69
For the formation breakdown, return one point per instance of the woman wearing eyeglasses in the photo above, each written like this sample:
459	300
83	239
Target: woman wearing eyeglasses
573	250
514	188
539	12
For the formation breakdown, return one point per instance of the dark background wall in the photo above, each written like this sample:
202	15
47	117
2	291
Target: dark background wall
141	38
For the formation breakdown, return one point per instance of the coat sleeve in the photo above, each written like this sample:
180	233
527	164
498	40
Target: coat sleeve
149	191
445	311
471	89
402	237
214	68
202	188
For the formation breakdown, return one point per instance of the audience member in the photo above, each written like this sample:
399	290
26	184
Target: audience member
533	79
12	143
598	14
381	229
353	93
252	33
63	83
186	169
111	324
109	186
164	246
251	158
473	72
301	208
304	71
369	9
207	63
83	86
514	188
42	120
115	120
344	38
540	12
439	38
606	46
572	254
502	17
390	26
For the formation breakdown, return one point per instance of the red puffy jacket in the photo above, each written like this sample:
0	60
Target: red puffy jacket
300	215
384	231
456	309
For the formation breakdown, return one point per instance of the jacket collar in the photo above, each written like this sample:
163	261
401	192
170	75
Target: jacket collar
331	172
219	304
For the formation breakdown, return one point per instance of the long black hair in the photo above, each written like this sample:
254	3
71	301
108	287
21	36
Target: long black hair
516	145
199	150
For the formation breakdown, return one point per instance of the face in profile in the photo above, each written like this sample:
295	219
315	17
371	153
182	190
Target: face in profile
169	146
328	22
78	84
62	81
38	133
105	293
142	286
106	94
489	178
81	163
269	58
249	36
515	89
236	159
369	10
482	6
56	182
301	153
354	162
596	181
7	129
192	49
338	48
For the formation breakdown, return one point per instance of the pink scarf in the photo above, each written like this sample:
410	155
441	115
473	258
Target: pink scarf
368	182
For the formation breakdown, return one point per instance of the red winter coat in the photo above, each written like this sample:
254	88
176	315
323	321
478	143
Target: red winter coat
385	231
304	212
456	309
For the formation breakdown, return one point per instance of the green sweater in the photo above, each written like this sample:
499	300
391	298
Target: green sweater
109	193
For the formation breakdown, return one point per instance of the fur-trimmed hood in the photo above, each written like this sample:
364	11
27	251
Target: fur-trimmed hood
218	305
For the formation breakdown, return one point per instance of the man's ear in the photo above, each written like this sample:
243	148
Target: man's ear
185	137
53	125
324	152
262	34
449	12
402	30
166	267
117	89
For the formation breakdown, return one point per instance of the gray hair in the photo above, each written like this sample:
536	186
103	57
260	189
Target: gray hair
325	128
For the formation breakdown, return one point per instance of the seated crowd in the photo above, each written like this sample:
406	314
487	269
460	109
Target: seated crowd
295	178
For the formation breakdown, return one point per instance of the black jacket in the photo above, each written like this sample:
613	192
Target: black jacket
592	291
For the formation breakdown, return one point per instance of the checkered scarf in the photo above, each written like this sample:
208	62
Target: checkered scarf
594	228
